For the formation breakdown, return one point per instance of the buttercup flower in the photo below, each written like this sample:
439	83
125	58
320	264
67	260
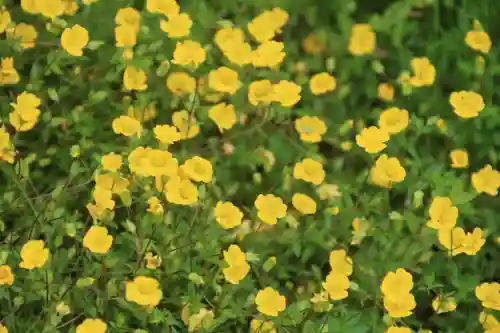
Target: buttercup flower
260	326
97	240
322	83
304	203
387	170
198	169
186	124
127	126
128	16
92	326
286	93
238	265
270	302
152	261
135	79
340	262
181	83
223	115
144	291
268	54
25	33
227	215
393	120
310	128
5	19
111	162
336	284
442	304
177	26
167	134
260	92
397	283
270	208
224	79
74	39
442	213
362	40
189	53
467	104
165	7
34	254
489	295
478	40
424	72
385	92
396	329
372	139
6	276
310	171
459	158
181	191
486	180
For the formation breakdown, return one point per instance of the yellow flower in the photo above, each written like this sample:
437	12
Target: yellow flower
473	242
385	92
362	40
26	113
239	54
177	26
198	169
223	115
74	39
70	7
312	44
135	79
8	74
5	20
92	326
310	128
372	139
387	170
304	203
322	83
459	158
6	276
227	214
155	206
189	53
393	120
340	262
238	265
328	191
310	171
269	208
97	240
400	306
286	93
442	304
144	291
478	41
165	7
486	180
452	239
181	83
30	6
50	8
442	214
224	80
26	33
111	162
152	261
186	124
396	329
127	126
128	16
181	191
203	320
489	322
125	36
467	104
261	326
489	295
397	283
260	92
266	25
160	163
167	134
268	54
270	302
424	72
336	284
112	182
34	254
226	38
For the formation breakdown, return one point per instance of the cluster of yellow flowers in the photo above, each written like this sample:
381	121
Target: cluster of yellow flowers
337	281
396	288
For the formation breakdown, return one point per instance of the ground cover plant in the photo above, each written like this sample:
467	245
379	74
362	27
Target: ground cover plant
249	166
